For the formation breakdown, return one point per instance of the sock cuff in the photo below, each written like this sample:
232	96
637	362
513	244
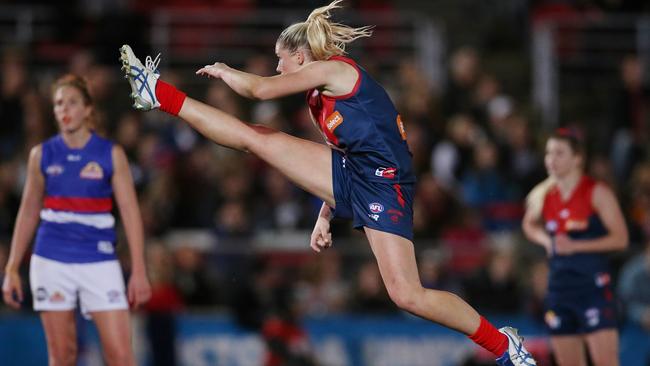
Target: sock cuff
170	99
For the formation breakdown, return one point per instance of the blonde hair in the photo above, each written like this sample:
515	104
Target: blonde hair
323	37
535	199
81	85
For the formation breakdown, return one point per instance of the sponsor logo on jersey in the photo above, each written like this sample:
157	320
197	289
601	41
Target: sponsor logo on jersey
113	296
576	225
388	173
333	121
41	294
400	127
92	170
54	169
374	217
376	207
552	320
57	297
73	157
106	247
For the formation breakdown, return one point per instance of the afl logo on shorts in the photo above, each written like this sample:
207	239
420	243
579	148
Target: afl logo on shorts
41	294
92	170
113	296
376	207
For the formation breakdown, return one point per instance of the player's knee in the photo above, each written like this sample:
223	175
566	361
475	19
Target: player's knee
256	141
63	355
603	359
404	296
119	356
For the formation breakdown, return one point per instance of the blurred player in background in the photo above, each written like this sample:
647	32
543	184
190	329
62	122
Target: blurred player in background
365	173
71	179
577	220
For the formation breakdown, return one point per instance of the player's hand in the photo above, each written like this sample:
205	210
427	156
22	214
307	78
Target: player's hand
321	238
564	245
12	289
139	290
215	70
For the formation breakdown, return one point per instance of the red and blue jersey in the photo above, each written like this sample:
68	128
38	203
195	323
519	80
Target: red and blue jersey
76	221
576	218
366	127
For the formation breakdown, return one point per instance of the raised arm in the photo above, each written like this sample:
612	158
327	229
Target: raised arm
335	77
139	289
26	222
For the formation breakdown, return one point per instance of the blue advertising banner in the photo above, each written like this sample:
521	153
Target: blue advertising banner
214	340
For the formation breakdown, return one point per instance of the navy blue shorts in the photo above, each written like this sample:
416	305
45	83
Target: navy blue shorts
580	312
386	207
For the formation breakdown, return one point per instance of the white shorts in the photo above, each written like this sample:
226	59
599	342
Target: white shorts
56	285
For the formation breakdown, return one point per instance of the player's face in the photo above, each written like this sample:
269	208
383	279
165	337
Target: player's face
70	110
560	159
287	61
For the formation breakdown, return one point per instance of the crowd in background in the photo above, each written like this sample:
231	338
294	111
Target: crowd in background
477	149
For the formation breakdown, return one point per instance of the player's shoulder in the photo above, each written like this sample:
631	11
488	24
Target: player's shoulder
103	141
50	141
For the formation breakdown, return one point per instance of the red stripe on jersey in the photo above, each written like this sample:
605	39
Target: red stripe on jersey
321	108
400	196
356	84
79	204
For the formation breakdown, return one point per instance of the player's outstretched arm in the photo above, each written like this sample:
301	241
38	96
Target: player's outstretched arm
312	75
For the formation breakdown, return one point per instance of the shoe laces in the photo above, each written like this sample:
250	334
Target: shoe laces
152	65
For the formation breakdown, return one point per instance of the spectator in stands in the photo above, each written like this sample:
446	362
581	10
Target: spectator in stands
165	303
634	291
485	188
322	290
629	119
198	286
452	156
639	204
465	70
494	288
368	293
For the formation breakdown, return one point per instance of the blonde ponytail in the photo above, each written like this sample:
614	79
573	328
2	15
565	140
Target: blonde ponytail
320	35
535	199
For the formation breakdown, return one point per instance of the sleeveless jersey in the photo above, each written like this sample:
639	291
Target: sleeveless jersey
577	218
366	127
76	221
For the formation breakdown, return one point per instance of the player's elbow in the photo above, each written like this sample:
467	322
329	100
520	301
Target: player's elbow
261	91
623	240
528	229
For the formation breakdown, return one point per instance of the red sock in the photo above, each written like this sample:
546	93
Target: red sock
489	337
170	99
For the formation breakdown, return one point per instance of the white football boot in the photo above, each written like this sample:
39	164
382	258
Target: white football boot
143	78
